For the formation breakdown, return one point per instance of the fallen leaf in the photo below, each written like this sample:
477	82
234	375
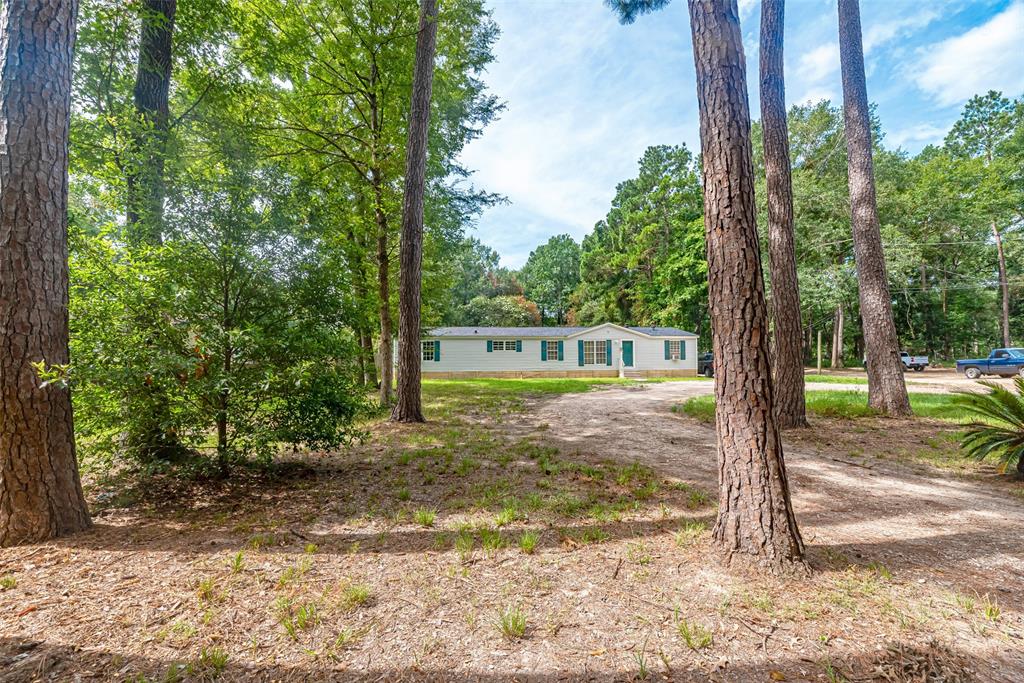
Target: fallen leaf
777	676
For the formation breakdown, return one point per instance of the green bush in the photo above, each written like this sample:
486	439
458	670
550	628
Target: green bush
221	345
1000	431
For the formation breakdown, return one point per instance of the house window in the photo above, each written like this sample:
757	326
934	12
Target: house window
552	350
505	345
428	350
594	353
674	350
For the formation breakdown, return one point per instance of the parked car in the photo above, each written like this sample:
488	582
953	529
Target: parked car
1004	362
915	363
706	365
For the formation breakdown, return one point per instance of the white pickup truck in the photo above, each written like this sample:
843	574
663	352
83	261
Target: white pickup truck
915	363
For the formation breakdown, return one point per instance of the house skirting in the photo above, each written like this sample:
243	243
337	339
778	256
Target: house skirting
525	374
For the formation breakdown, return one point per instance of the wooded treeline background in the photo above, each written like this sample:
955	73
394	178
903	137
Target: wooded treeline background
236	195
644	263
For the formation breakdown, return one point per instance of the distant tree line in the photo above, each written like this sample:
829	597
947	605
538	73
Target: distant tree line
952	223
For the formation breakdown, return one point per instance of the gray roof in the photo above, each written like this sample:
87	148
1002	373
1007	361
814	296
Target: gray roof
495	332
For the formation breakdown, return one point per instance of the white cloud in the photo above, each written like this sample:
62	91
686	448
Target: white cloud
747	7
922	134
888	29
987	57
819	63
582	107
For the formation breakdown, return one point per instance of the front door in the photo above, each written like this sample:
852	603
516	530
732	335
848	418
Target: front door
627	353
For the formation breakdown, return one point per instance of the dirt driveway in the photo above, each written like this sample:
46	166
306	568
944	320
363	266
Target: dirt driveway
927	525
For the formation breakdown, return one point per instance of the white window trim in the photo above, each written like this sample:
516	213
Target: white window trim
552	344
591	355
424	347
675	349
503	344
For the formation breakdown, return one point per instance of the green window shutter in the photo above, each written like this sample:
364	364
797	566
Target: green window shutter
668	352
437	350
490	346
580	349
519	345
682	349
543	350
608	351
561	350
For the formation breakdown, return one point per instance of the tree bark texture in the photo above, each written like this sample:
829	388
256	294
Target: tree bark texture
755	518
887	391
40	491
408	406
145	178
1004	286
384	294
788	336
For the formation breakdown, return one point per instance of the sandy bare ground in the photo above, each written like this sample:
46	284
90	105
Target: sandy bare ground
902	553
928	526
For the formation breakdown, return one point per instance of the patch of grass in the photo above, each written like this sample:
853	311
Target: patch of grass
694	636
237	563
491	540
294	573
261	540
403	494
696	499
512	623
690	532
7	582
311	548
844	404
206	591
528	541
209	665
509	513
592	535
466	466
834	379
355	595
464	543
638	554
425	517
990	608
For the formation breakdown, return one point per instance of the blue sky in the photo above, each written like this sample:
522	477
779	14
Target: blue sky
585	96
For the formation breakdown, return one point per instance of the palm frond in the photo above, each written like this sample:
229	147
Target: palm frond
999	433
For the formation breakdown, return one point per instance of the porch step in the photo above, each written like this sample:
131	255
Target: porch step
633	374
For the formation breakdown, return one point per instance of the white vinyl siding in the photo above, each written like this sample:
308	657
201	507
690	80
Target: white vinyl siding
470	353
594	353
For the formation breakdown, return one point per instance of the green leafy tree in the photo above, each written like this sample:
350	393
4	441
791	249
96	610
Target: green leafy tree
550	275
644	264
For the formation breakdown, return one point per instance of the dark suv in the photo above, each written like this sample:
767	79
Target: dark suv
706	365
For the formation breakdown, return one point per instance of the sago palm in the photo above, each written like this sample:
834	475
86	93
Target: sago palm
1001	434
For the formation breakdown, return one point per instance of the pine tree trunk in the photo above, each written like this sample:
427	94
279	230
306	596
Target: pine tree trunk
755	522
40	491
1004	286
788	338
145	177
408	406
384	295
838	342
887	391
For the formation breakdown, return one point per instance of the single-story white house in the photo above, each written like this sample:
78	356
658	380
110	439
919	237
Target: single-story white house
606	350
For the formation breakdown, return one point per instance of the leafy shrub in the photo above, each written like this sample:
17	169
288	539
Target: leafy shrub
222	341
